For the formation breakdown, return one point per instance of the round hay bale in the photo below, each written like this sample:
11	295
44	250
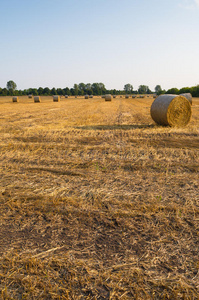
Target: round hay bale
103	96
126	96
86	96
66	96
171	110
91	96
134	96
37	99
108	97
75	96
154	96
114	96
188	96
120	96
15	99
30	96
56	98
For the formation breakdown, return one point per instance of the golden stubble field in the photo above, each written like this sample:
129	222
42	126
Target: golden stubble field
97	202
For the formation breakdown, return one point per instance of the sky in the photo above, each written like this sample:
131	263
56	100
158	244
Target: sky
57	43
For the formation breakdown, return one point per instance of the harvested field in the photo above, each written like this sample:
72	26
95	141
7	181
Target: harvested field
97	201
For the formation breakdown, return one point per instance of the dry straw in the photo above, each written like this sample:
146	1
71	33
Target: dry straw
56	98
171	110
37	99
108	97
188	96
15	99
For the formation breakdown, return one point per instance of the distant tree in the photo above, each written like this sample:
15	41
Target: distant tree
81	88
66	91
53	91
11	86
184	90
76	89
158	89
88	89
46	91
143	89
60	91
173	91
40	91
128	88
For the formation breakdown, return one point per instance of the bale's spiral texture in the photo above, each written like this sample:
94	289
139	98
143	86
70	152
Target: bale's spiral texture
37	99
171	110
86	96
15	99
56	98
108	97
188	96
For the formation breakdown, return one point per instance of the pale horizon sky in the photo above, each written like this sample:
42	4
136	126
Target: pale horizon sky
57	43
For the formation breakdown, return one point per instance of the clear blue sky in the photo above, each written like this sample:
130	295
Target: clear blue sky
56	43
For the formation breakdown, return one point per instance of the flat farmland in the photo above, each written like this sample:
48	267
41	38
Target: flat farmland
97	201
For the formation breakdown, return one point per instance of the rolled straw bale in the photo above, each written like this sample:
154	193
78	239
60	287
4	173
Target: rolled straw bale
66	96
134	96
114	96
30	96
188	96
120	96
91	96
15	99
154	96
37	99
75	96
56	98
171	110
108	97
86	96
126	96
103	96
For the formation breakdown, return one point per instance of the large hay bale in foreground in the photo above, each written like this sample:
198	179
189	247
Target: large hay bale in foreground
86	97
108	97
171	110
188	96
37	99
56	98
15	99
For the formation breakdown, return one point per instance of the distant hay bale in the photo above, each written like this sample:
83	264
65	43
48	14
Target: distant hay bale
154	96
188	96
75	96
37	99
126	96
114	96
30	96
171	110
134	96
141	96
66	96
15	99
103	96
120	96
86	96
108	97
91	96
56	98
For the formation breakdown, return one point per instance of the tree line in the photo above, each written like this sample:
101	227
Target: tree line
95	89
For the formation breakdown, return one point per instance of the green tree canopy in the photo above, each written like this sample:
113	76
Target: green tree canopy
158	89
11	86
128	88
143	89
